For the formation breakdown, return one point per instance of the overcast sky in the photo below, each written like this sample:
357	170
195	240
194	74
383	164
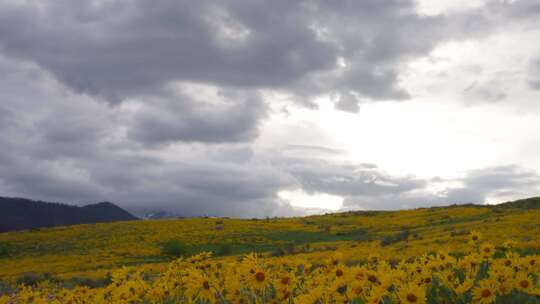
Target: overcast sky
266	108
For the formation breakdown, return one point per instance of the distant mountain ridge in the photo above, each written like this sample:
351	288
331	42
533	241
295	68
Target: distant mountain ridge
22	214
527	203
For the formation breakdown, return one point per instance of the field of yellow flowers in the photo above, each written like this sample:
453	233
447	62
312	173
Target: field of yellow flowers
467	254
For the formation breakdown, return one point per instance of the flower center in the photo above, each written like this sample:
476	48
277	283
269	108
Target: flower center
285	280
339	272
342	289
524	284
206	285
412	298
259	276
486	293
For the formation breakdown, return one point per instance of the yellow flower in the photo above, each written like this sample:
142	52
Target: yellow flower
532	263
199	286
509	244
523	282
485	292
313	297
375	295
487	250
475	236
412	294
338	290
504	288
464	287
258	279
356	290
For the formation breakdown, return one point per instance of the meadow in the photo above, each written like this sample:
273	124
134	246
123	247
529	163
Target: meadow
456	254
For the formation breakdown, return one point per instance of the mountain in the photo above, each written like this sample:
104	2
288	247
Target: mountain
22	214
528	203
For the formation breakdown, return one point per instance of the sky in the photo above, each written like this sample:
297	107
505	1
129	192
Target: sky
269	108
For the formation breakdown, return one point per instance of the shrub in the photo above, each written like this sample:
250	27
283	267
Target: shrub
5	288
175	248
288	248
225	249
33	279
402	236
279	251
5	249
88	282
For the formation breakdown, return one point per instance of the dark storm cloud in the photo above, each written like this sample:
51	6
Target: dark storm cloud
73	150
117	50
181	118
185	152
192	187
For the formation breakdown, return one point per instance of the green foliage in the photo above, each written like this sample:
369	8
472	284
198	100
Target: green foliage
91	283
224	249
5	249
33	279
304	237
391	239
175	248
5	288
517	297
288	248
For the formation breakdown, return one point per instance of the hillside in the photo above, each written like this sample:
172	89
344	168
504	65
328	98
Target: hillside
134	251
23	214
108	245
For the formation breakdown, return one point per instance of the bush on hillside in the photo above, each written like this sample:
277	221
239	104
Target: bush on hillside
5	249
175	248
391	239
224	249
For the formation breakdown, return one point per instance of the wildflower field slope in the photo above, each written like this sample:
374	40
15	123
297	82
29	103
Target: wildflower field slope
455	254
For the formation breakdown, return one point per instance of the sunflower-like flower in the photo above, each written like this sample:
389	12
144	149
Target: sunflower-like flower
485	292
284	286
338	291
524	282
199	286
475	237
375	295
464	287
356	290
412	294
510	259
502	274
532	263
258	279
509	244
504	288
487	250
314	296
